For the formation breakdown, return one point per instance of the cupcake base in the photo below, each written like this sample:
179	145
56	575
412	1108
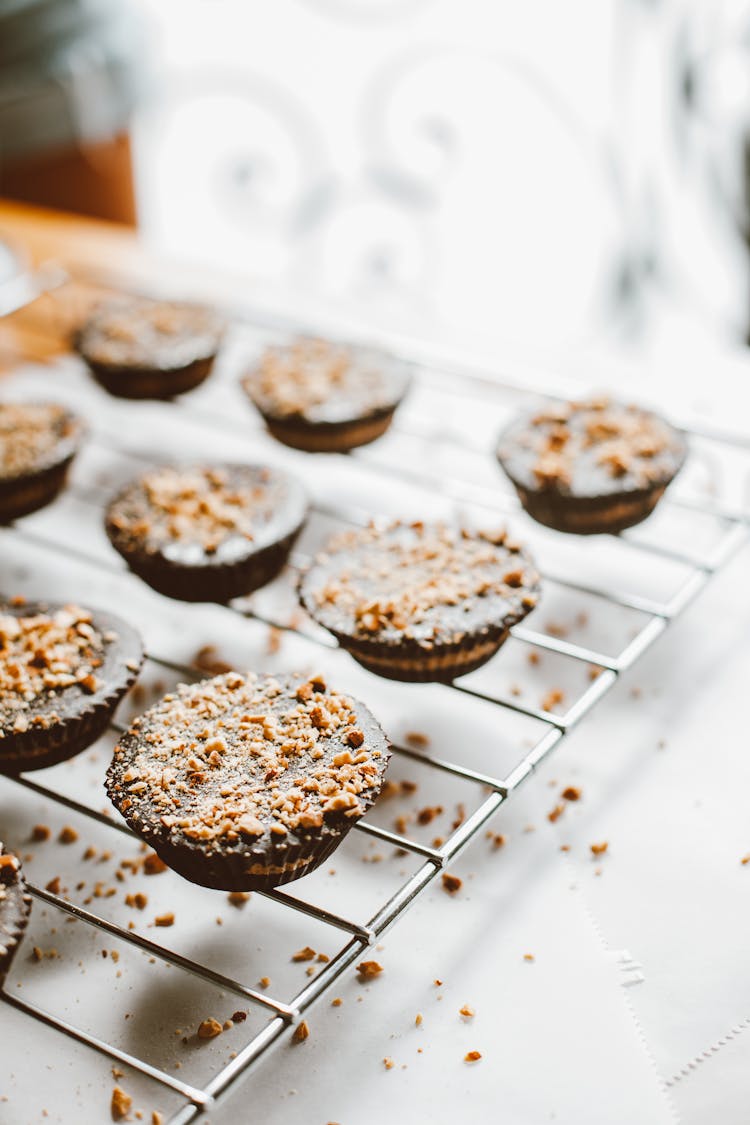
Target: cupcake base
140	383
27	494
590	515
329	437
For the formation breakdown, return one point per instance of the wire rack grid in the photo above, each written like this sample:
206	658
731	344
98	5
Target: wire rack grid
458	472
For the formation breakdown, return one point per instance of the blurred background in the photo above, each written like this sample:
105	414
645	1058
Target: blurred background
540	176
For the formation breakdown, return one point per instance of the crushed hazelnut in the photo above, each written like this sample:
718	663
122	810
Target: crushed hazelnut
451	883
368	970
120	1104
209	1028
599	849
301	1032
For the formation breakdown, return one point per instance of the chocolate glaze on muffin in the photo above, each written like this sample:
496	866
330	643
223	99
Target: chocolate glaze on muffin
142	348
590	467
207	532
420	602
324	397
63	669
15	907
245	781
38	441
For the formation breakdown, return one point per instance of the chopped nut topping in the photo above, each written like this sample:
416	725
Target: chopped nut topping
285	765
429	583
196	505
41	654
301	1032
164	919
555	813
599	849
467	1012
35	436
579	446
308	377
472	1056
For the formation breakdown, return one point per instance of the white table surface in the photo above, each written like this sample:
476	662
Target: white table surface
636	1006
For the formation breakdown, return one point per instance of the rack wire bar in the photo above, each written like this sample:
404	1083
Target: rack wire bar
435	373
196	1096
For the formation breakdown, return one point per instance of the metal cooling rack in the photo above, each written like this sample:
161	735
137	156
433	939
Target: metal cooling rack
490	497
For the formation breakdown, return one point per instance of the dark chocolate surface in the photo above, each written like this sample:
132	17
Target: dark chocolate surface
232	784
591	450
141	335
325	384
420	586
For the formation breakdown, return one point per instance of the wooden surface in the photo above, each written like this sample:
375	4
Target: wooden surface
80	246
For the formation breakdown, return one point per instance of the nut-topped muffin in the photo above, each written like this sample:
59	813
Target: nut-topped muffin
63	669
142	348
420	602
592	466
325	397
207	532
246	781
38	441
15	907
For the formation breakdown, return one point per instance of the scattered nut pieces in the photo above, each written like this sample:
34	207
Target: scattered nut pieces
306	954
528	957
417	739
472	1056
301	1032
238	898
555	813
467	1012
336	1002
209	1028
388	1063
745	860
164	919
451	883
418	1019
599	849
153	865
40	833
120	1104
68	835
571	793
552	699
368	970
53	886
138	900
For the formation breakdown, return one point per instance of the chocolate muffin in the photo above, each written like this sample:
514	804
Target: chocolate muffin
15	907
63	670
420	602
593	466
244	782
141	348
324	397
207	533
38	441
